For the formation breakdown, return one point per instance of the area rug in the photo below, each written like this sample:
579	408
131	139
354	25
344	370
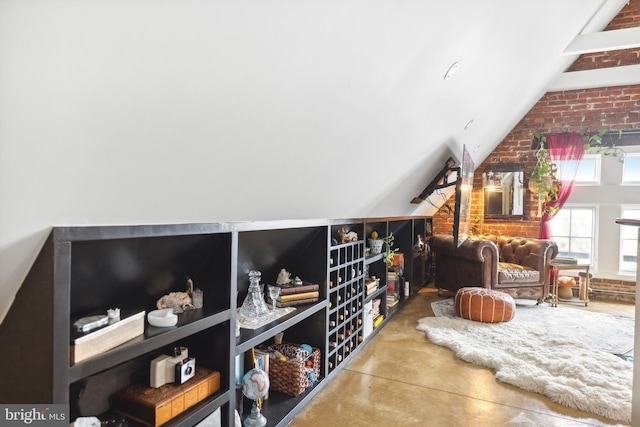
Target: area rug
601	331
562	368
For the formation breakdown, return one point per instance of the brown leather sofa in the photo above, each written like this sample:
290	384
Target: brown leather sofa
515	265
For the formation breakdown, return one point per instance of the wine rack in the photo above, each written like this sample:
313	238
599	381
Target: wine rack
346	290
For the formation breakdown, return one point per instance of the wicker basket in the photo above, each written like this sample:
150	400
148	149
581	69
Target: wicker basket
292	377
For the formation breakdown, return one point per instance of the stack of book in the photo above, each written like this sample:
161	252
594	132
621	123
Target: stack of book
372	285
393	288
292	295
375	312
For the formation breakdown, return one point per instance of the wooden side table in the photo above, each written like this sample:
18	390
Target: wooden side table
583	283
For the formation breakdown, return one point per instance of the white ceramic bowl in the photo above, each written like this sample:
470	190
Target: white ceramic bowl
162	318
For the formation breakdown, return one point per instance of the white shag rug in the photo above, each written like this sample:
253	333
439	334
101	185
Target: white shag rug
562	368
601	331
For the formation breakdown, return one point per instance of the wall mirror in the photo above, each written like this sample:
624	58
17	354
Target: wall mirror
503	191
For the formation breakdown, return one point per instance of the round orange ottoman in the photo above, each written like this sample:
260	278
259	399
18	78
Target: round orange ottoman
484	305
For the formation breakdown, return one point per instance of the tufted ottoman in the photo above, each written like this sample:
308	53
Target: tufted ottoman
484	305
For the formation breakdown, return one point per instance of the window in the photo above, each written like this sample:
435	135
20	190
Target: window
572	229
631	169
629	242
588	169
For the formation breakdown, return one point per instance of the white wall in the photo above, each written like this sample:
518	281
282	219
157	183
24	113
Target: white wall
121	112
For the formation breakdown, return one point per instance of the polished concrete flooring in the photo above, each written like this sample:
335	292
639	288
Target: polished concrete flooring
401	379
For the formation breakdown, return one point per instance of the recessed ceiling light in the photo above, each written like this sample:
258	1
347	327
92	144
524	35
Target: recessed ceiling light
468	125
452	70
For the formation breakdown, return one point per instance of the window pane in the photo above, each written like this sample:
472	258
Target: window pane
628	232
581	249
631	169
631	213
586	170
581	222
561	223
572	230
629	255
629	242
563	245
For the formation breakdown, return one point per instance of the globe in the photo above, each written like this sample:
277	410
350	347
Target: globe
255	384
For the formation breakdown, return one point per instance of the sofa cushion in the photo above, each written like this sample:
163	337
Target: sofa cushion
510	273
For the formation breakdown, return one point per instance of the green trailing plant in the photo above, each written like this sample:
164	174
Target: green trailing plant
593	144
543	179
388	258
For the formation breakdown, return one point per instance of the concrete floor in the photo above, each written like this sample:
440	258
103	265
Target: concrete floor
401	379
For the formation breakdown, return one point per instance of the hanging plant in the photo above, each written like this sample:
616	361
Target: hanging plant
543	179
593	144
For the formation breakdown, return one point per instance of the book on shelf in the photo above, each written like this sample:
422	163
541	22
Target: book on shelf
391	303
298	289
372	285
372	282
302	295
377	321
262	362
292	303
375	308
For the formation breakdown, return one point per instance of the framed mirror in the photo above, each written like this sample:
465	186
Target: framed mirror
503	190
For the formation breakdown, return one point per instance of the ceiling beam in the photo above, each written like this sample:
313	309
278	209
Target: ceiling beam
627	38
601	77
608	10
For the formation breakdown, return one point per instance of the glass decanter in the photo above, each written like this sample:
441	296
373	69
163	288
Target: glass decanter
254	305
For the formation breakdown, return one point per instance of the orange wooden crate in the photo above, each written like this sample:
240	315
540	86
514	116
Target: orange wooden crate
156	406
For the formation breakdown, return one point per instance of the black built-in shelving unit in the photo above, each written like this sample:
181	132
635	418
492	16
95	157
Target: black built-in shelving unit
86	270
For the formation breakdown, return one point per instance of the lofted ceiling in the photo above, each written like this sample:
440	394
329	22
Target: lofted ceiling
508	55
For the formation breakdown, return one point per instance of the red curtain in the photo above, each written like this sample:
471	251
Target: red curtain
562	146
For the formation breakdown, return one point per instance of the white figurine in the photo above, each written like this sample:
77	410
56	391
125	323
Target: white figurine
284	277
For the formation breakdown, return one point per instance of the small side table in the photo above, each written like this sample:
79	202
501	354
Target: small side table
583	283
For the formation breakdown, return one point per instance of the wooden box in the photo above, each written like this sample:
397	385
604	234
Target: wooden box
92	344
156	406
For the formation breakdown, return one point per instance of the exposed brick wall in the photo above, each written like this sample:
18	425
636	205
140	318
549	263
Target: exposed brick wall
609	290
590	110
612	290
